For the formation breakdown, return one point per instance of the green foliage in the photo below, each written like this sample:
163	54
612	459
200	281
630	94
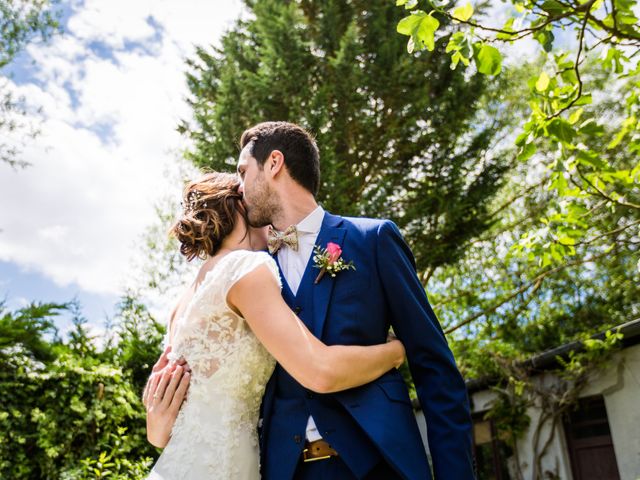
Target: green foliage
502	305
488	59
595	352
509	410
24	332
21	22
585	160
561	259
421	27
398	138
116	465
139	339
66	405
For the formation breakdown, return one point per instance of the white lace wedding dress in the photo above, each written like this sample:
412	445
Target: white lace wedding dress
214	436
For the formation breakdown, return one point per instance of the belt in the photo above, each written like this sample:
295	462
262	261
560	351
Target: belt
317	450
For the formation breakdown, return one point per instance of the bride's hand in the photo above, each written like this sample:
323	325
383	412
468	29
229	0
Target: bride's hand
157	371
166	394
398	346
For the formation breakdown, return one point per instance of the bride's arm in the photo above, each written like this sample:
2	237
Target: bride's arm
318	367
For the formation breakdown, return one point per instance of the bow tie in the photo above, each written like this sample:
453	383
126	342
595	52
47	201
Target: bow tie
276	239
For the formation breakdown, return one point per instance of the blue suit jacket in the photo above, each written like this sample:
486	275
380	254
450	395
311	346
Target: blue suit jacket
356	308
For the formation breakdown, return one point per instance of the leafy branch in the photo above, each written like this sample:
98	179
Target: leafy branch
559	101
533	284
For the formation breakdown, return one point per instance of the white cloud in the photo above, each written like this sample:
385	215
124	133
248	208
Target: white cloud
112	90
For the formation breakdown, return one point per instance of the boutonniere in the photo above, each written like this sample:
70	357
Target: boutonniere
329	260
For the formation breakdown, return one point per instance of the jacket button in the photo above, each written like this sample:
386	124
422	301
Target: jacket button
309	395
297	438
297	310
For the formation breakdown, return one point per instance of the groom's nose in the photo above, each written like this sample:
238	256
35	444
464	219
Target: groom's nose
241	188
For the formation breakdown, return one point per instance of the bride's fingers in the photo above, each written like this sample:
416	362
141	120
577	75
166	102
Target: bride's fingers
145	393
171	387
150	389
181	392
162	361
162	385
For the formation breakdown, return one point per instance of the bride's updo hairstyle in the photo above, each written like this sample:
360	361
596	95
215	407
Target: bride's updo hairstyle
210	210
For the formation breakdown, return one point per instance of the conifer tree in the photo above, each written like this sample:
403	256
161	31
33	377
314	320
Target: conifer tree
395	140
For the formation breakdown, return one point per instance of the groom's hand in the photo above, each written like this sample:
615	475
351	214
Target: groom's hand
162	366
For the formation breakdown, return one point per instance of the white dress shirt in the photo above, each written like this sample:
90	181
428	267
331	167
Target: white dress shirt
293	264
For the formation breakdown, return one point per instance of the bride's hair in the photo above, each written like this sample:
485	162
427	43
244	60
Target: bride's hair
210	210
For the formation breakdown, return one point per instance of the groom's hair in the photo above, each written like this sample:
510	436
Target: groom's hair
301	155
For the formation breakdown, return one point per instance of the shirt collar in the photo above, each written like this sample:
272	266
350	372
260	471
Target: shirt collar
312	222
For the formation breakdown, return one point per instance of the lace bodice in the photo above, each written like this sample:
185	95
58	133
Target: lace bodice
216	428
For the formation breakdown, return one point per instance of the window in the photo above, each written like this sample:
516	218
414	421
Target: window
490	452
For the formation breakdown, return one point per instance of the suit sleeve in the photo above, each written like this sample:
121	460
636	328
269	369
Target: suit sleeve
440	387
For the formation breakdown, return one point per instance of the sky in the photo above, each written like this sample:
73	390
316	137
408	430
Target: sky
111	90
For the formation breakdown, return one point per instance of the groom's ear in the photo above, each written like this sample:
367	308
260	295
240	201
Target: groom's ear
275	163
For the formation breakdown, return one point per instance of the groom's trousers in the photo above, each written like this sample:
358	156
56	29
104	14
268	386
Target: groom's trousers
335	469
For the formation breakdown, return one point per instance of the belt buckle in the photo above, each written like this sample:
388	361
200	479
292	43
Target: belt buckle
306	459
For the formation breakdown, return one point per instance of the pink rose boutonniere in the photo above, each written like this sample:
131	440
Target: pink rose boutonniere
329	260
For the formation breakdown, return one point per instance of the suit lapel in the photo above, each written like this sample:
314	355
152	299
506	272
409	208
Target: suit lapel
329	232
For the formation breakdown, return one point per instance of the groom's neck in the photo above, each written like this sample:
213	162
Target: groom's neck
294	209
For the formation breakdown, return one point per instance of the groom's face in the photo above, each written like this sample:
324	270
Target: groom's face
257	195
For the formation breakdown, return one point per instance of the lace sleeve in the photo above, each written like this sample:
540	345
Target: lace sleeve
245	263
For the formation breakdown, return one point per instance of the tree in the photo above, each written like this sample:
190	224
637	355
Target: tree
69	409
395	140
589	165
21	22
24	331
500	293
501	305
583	205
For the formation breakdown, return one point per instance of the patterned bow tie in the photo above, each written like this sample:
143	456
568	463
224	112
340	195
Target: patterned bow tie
289	238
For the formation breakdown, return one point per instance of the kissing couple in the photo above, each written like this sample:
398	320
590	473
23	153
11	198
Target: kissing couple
288	362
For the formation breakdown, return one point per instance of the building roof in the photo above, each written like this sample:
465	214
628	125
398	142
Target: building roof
549	359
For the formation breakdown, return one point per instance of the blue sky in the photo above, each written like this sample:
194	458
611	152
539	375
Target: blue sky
21	287
107	96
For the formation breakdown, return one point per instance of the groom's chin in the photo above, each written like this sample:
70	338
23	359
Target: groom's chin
258	223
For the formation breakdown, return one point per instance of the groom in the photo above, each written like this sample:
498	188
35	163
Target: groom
368	432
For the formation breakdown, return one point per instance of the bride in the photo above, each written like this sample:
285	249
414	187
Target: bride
231	327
